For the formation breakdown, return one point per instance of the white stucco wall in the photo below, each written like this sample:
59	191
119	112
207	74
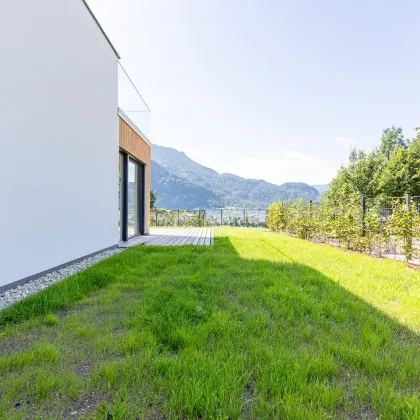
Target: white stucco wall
58	137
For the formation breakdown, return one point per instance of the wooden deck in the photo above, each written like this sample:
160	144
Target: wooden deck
173	237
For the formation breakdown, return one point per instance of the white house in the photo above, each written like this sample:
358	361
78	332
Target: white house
62	140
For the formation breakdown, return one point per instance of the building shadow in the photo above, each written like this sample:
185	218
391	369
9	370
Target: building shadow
205	333
305	340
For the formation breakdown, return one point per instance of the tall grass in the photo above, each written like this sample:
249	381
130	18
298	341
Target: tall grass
260	325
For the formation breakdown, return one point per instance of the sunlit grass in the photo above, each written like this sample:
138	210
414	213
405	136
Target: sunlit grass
258	326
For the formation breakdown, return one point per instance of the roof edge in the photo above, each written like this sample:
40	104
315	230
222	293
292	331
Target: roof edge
128	120
102	29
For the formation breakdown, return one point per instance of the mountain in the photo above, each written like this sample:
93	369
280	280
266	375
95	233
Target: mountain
322	189
177	192
180	182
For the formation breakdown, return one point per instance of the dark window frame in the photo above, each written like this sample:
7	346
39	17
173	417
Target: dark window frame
141	195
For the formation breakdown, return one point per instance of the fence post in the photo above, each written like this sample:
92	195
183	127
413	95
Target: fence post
310	209
178	217
409	240
363	216
156	218
408	202
221	217
245	223
199	219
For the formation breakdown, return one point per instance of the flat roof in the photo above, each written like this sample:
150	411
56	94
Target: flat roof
102	29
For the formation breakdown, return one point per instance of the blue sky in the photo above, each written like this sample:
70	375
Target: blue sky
270	89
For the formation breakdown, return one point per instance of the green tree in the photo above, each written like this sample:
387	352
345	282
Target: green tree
392	138
390	169
415	144
359	178
401	174
153	198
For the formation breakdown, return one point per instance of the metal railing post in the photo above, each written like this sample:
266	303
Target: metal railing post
221	217
178	217
363	216
156	218
409	240
408	202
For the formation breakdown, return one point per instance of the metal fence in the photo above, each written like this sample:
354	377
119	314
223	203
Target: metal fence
208	217
416	202
257	217
386	205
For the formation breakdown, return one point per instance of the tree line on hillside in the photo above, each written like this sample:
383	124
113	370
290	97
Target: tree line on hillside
390	170
368	206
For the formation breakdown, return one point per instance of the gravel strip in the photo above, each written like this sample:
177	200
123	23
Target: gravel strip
34	286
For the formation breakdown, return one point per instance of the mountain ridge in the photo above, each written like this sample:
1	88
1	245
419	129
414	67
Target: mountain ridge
180	182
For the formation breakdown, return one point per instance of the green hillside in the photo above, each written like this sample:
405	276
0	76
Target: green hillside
181	182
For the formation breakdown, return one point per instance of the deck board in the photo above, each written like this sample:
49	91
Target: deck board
207	238
184	238
173	237
196	239
202	237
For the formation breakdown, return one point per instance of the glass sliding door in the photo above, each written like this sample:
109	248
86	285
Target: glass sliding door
131	197
133	224
120	195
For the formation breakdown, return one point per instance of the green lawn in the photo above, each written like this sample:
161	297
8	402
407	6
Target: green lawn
258	326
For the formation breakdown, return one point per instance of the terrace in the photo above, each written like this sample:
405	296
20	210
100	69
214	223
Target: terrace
202	236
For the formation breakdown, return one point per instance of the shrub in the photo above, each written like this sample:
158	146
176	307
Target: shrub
345	224
404	224
274	216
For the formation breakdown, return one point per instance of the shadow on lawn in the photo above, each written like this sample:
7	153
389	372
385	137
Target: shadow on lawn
228	336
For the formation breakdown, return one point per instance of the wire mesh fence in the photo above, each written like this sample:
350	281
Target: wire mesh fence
243	217
182	218
381	225
208	217
416	202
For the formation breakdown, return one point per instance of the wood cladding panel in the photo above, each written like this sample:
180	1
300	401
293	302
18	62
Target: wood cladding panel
132	143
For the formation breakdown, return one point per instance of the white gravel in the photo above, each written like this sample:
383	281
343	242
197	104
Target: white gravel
34	286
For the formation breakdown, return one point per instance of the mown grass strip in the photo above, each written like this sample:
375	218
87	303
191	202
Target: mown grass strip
65	292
